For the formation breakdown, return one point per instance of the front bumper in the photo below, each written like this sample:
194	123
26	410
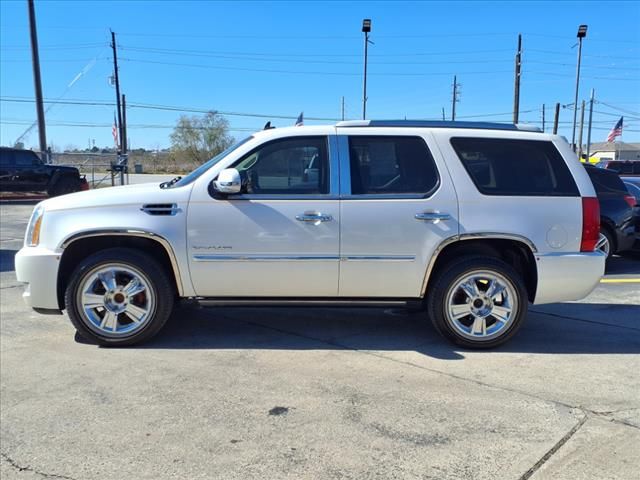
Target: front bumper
37	267
568	276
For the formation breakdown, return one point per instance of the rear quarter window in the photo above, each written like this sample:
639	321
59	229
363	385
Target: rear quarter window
606	181
514	167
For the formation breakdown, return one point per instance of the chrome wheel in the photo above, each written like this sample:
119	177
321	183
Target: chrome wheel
603	244
481	305
115	300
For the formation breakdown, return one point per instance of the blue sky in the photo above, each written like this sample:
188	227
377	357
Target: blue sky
280	58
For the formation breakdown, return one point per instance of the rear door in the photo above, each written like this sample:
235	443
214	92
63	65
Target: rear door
397	205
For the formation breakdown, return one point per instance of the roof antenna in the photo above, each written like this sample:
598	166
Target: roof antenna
267	126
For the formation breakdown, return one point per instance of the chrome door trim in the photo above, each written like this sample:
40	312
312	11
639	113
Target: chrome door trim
471	236
314	217
432	216
131	233
203	257
384	258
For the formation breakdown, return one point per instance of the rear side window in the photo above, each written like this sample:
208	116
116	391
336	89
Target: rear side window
515	167
624	167
606	182
26	159
391	165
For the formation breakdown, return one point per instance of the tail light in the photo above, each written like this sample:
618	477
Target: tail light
590	224
631	200
84	185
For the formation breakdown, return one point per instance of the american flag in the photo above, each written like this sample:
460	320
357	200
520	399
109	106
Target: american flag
114	131
300	120
615	131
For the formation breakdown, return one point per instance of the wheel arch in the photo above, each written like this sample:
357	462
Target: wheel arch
82	244
516	250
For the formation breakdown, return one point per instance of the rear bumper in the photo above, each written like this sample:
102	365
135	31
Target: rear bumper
568	276
38	268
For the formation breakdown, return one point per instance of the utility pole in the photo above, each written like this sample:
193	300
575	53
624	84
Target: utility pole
123	142
125	157
593	94
555	119
516	96
443	119
581	129
37	81
582	32
454	99
343	108
117	80
543	119
366	28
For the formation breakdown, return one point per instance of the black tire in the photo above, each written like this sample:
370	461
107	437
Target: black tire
443	284
63	186
150	271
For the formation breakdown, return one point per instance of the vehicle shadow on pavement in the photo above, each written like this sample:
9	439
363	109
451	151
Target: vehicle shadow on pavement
389	330
7	260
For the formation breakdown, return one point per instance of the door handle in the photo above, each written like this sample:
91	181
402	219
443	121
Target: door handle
314	217
433	217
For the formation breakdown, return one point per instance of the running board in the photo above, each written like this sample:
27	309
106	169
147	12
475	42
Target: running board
297	302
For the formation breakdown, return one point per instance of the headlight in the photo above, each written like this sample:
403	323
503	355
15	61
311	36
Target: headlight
32	237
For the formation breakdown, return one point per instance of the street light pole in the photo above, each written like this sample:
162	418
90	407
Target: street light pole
366	28
582	33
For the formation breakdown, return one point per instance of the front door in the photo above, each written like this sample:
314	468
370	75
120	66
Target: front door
397	205
280	236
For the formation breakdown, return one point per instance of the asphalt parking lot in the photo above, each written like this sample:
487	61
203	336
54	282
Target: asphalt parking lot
321	393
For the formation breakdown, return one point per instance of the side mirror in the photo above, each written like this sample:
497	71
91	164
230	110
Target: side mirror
228	182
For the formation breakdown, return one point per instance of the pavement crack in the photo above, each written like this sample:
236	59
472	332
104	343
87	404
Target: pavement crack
594	322
545	458
27	468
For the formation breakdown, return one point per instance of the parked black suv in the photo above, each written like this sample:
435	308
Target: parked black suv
623	167
616	211
23	171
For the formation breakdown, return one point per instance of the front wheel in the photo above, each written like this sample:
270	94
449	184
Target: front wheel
119	297
477	302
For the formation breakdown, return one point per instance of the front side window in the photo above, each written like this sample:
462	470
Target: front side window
515	167
391	165
297	165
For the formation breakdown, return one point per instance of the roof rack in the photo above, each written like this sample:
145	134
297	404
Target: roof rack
438	124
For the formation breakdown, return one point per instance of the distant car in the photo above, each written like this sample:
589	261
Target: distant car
617	230
623	167
633	185
24	171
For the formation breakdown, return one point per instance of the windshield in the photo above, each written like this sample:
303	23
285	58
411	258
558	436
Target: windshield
207	165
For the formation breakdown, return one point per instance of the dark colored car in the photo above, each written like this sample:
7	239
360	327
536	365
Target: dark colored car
633	185
24	171
617	229
623	167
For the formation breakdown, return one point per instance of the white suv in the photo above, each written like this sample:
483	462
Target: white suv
470	220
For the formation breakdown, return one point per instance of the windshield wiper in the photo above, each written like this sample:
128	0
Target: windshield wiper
170	182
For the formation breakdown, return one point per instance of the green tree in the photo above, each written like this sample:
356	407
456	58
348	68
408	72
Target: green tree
196	139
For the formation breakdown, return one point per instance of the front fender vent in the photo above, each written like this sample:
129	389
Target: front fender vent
160	208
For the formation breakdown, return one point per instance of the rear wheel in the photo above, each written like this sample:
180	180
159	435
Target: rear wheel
477	302
605	243
119	297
